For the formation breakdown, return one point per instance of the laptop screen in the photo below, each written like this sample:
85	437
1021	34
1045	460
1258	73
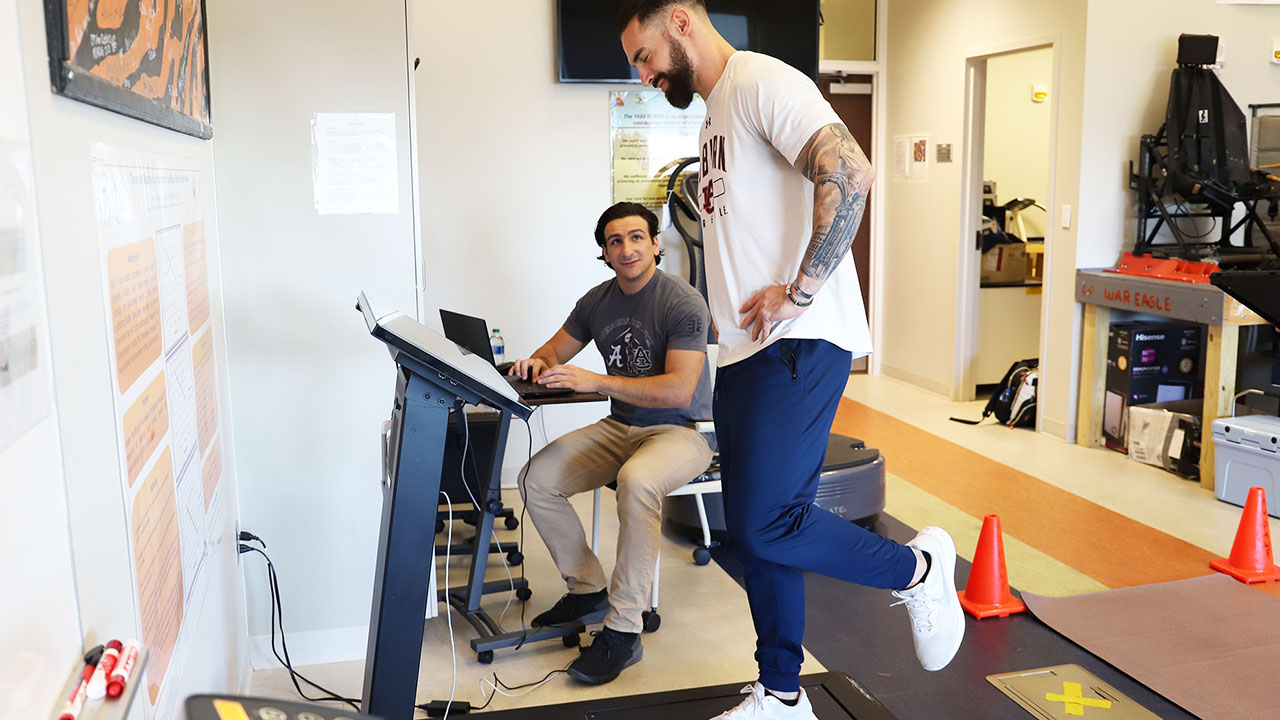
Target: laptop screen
471	333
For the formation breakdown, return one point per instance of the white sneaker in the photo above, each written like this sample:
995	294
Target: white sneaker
760	705
937	620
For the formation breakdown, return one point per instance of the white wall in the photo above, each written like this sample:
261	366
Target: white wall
927	45
309	385
1016	151
62	132
1133	48
41	625
515	172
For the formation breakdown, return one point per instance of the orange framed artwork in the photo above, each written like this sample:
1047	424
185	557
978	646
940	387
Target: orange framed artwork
147	59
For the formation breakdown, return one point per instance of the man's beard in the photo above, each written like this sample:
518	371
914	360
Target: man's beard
680	79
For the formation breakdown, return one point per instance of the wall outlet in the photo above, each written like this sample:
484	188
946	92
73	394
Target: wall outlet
1275	51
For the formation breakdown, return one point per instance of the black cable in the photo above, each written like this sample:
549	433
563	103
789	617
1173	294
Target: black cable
498	682
1182	206
278	617
277	606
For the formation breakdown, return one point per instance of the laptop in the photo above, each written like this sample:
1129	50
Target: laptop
472	334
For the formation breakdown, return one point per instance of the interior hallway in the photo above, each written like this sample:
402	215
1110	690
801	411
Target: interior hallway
1074	519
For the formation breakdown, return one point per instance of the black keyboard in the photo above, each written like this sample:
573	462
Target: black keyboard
528	388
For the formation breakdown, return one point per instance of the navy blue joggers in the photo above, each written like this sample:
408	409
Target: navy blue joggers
773	412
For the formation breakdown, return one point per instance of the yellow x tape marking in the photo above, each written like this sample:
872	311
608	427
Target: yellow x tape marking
1075	701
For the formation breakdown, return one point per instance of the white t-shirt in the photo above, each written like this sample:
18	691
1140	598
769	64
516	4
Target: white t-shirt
757	209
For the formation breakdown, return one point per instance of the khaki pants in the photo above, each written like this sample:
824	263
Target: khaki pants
648	463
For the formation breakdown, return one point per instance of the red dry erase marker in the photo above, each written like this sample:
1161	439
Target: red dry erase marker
71	708
120	674
98	683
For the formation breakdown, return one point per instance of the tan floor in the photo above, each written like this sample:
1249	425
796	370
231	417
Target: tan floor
706	635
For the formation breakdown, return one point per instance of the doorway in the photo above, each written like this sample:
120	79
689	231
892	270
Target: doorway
1010	143
852	99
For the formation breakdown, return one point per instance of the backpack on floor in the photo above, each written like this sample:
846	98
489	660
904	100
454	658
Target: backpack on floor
1014	401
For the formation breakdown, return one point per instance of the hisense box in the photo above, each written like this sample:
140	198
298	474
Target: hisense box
1148	363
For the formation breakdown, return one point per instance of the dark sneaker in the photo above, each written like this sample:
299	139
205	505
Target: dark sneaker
573	607
610	653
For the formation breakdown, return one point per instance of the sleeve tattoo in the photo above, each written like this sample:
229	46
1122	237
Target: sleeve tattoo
841	178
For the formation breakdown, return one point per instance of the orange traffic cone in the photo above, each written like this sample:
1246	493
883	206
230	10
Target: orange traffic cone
1250	559
987	594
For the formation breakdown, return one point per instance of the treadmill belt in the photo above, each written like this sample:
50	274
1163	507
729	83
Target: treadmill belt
835	696
825	706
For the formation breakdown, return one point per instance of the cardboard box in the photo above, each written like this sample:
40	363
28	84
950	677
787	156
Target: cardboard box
1035	261
1167	435
1148	363
1005	263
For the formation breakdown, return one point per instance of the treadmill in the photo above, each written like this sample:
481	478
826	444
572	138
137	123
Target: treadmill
835	696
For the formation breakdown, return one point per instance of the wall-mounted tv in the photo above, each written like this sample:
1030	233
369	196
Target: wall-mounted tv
589	50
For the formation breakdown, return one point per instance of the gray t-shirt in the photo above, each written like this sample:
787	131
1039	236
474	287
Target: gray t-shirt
633	334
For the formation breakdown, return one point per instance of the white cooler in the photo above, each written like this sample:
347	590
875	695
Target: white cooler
1247	454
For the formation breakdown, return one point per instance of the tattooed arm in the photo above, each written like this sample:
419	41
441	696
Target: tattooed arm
841	178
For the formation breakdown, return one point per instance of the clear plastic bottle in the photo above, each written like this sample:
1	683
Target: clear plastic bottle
499	347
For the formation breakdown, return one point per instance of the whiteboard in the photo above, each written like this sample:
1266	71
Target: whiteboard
43	632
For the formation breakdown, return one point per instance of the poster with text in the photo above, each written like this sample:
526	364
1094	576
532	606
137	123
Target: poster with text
149	213
649	138
24	364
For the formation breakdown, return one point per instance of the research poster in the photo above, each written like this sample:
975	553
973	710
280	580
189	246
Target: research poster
155	275
24	364
649	138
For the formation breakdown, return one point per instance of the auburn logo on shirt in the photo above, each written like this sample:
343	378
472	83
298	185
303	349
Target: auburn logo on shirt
712	190
714	157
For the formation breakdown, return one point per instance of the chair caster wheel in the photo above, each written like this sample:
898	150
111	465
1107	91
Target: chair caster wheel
571	640
515	557
524	593
652	620
701	556
485	657
512	522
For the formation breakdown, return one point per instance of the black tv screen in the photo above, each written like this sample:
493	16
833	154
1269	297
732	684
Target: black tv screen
589	49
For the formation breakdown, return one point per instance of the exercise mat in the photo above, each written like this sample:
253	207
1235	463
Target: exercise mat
1209	644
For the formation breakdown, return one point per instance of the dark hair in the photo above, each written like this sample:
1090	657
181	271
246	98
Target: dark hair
625	210
646	9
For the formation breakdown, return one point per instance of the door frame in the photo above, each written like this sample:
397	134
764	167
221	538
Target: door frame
969	260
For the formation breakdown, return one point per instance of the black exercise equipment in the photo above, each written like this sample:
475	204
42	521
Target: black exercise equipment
433	380
1199	157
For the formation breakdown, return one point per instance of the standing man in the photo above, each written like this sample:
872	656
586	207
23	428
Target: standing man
782	191
651	330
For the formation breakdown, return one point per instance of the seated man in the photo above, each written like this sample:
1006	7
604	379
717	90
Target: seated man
651	329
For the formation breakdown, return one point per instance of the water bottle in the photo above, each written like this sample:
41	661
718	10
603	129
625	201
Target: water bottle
498	345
